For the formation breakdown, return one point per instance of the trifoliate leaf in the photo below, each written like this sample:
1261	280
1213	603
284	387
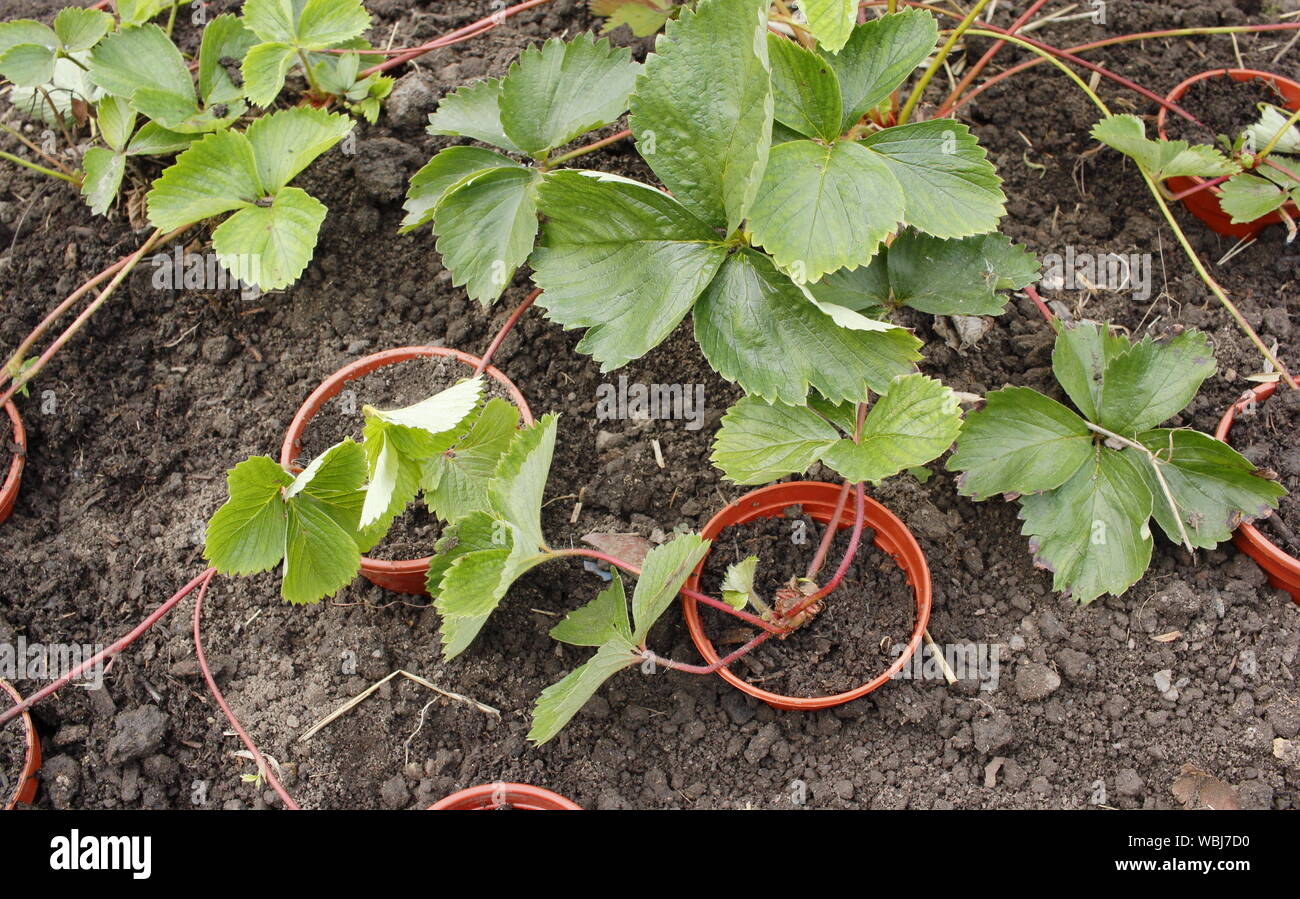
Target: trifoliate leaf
564	89
287	142
621	259
878	57
271	245
456	483
1214	487
447	170
665	570
830	21
1153	381
824	207
952	188
1092	531
309	521
1161	158
738	582
1082	351
1246	197
103	176
599	621
80	29
1020	442
805	90
708	147
915	422
246	535
757	328
486	229
562	700
760	441
473	111
941	277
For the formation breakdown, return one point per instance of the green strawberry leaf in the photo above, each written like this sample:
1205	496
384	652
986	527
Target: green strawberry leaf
1214	487
287	142
264	69
246	535
1246	197
80	29
216	174
738	583
915	422
761	441
1083	350
564	89
708	147
952	188
456	483
805	90
663	573
270	245
758	329
1272	121
643	17
825	207
621	259
447	170
831	21
599	621
486	228
562	700
878	57
516	490
1020	442
224	38
28	51
1153	381
1092	532
473	111
103	176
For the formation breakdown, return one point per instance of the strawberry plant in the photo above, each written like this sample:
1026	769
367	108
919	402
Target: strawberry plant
1257	171
483	204
1090	479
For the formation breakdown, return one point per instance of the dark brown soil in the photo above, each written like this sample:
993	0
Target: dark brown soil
13	755
1268	437
165	391
1225	105
853	638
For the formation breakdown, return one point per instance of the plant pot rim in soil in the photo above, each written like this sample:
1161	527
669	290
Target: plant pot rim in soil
818	500
409	575
1282	568
1204	204
495	795
14	479
25	786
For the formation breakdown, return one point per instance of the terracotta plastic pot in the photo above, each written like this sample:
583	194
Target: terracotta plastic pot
25	789
1205	204
14	479
818	500
404	576
506	795
1283	569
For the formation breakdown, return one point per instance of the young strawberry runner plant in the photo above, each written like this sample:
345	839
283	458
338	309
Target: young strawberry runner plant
1089	481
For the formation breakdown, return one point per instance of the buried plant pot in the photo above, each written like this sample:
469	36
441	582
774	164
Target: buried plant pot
503	796
13	480
24	789
407	576
1204	204
1282	568
818	500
